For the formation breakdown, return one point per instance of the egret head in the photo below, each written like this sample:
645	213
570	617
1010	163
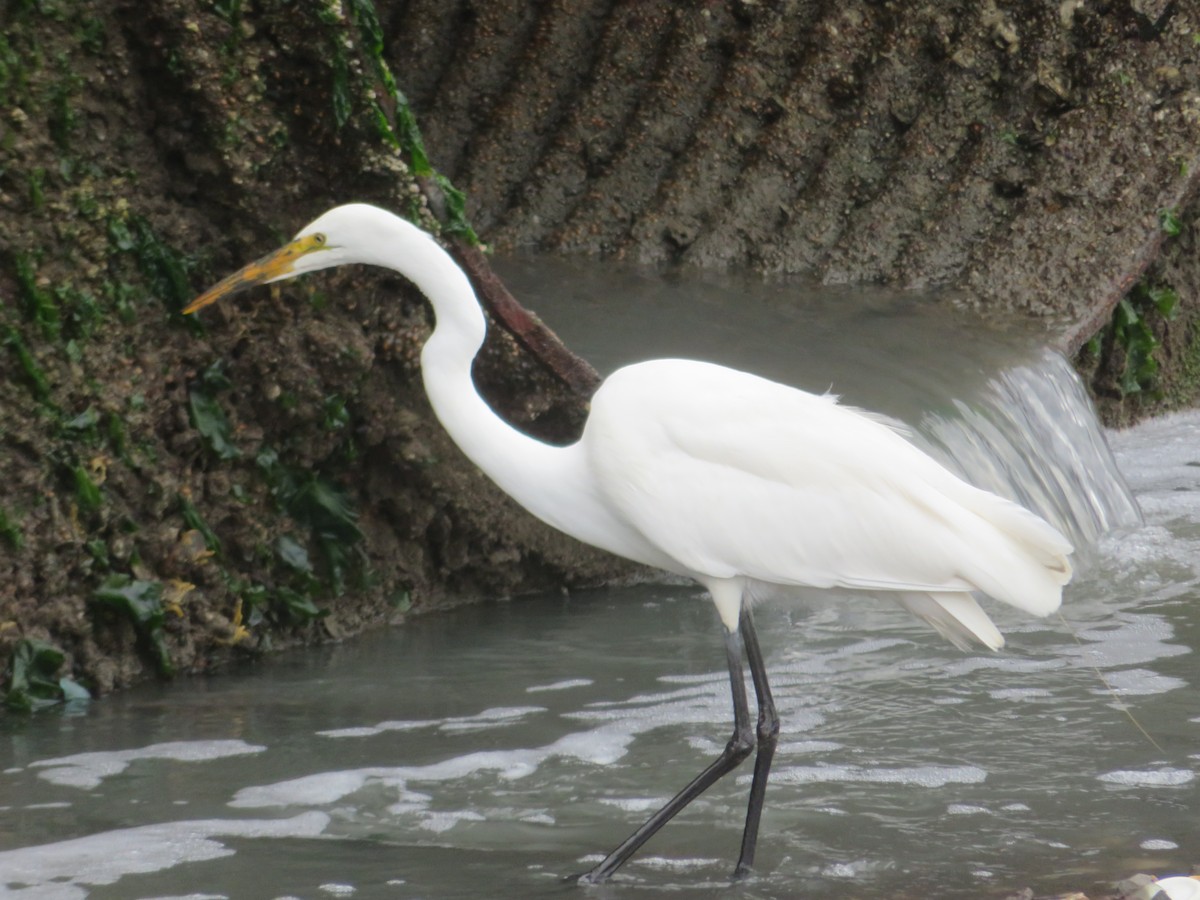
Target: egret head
345	234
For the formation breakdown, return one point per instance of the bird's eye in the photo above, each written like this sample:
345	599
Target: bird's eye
319	239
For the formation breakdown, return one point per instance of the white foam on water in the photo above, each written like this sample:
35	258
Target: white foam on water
1158	844
1126	639
407	808
956	669
710	689
1019	693
917	776
318	789
496	717
560	685
1160	453
799	662
849	870
677	864
1160	460
601	745
693	678
705	745
795	748
442	820
88	770
100	859
1138	682
706	704
371	730
635	804
1148	778
1119	645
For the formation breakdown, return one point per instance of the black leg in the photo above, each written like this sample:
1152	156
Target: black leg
768	737
735	752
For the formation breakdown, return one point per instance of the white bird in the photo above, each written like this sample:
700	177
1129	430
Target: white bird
747	486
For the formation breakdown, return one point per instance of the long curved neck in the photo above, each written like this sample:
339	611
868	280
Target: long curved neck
517	463
556	484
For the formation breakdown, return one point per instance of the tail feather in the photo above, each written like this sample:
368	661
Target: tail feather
1018	557
955	616
1039	538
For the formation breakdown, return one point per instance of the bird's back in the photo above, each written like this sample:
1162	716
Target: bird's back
732	475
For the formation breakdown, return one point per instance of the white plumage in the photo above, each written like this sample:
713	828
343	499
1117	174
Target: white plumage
744	484
728	475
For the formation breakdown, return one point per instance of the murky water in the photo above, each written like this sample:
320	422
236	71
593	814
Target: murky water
493	750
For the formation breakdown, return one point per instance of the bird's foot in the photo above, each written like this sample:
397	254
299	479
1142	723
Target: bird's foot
591	876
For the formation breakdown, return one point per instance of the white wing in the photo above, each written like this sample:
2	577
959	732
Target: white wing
732	475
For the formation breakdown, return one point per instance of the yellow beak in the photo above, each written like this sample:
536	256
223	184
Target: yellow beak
272	266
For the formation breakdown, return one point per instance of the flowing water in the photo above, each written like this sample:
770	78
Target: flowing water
489	752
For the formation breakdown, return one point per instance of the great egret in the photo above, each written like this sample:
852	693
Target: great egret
745	485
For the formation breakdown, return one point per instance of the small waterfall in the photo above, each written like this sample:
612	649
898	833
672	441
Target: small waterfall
1031	434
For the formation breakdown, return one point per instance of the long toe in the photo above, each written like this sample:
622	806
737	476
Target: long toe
592	876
